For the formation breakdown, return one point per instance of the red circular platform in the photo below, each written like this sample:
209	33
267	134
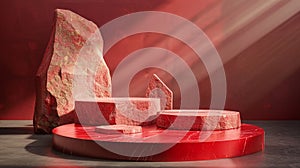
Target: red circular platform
155	144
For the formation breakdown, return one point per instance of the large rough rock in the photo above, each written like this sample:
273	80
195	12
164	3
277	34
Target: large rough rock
198	119
158	89
122	111
72	67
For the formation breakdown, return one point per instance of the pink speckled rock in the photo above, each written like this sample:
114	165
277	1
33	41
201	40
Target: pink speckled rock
117	129
123	111
73	66
198	119
158	89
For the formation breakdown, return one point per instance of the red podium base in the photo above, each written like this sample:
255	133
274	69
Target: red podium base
155	144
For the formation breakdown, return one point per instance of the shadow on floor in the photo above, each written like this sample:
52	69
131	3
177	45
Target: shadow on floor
43	146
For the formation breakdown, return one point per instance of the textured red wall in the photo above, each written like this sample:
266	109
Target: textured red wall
262	81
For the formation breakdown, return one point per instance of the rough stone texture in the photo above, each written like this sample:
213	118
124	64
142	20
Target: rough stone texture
198	119
116	129
122	111
95	113
72	67
158	89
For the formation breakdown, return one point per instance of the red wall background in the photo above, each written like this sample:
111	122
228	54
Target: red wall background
262	79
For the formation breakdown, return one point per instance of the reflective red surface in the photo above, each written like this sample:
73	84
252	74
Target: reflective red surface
155	144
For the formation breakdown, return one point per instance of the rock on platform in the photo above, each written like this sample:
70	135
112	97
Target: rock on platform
198	119
117	129
158	89
123	111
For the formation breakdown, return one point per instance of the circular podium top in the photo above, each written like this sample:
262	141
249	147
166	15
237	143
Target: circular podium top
154	144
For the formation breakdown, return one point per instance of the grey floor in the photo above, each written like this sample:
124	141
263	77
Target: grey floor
20	148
